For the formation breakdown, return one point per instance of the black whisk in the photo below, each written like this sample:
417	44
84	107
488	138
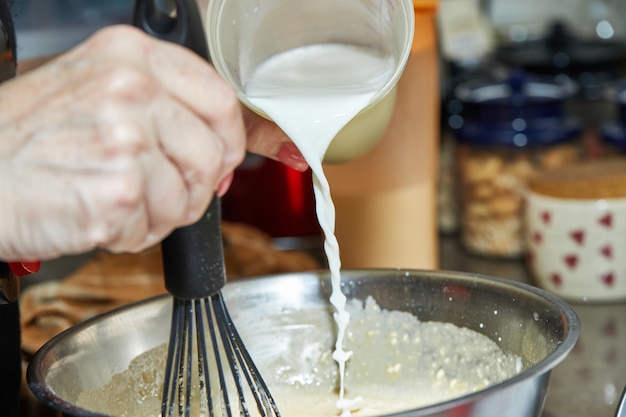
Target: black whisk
209	372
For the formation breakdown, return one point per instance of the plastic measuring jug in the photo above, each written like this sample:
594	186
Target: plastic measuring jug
244	33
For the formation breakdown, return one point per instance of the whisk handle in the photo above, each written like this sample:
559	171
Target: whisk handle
177	21
193	257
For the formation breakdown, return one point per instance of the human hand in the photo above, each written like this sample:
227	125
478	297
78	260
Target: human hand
113	145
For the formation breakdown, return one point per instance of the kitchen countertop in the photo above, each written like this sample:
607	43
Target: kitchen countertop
589	382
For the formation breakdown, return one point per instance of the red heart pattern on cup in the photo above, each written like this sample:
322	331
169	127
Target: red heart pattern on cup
572	246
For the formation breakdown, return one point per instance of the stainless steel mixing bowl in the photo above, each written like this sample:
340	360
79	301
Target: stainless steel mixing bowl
522	319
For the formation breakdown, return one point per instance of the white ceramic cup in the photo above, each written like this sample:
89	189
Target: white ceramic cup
577	248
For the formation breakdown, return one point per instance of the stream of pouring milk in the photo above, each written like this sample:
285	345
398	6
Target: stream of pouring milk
312	92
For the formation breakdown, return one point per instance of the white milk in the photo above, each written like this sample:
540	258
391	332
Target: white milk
312	92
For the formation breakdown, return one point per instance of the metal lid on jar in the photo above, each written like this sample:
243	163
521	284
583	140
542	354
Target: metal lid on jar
517	111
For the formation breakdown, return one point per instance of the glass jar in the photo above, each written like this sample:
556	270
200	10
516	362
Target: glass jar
506	131
613	132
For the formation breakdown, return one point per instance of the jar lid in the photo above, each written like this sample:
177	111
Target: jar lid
589	180
517	111
561	52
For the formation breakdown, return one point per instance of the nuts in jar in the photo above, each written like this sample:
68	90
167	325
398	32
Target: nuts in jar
510	129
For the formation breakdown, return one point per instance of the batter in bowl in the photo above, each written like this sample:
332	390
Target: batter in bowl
399	363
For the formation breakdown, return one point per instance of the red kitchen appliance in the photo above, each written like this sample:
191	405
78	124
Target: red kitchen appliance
276	199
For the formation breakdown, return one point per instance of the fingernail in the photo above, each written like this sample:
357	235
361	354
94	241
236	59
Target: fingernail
290	155
224	185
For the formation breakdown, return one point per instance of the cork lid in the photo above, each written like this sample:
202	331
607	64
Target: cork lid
589	180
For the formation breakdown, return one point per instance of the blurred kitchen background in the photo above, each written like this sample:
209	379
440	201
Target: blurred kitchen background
523	87
48	27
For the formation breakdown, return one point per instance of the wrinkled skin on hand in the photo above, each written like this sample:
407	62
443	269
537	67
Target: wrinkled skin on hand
114	144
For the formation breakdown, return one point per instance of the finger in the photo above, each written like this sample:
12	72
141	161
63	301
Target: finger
177	171
195	150
198	87
68	167
166	198
290	155
267	139
225	184
183	74
114	207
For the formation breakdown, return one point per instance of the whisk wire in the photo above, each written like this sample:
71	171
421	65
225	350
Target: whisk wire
174	359
219	309
204	345
204	381
238	355
224	398
184	374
